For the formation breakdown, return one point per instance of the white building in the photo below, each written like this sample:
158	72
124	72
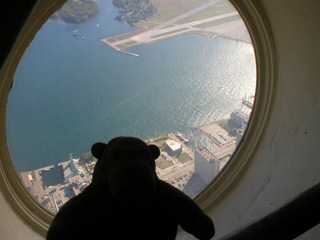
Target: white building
173	146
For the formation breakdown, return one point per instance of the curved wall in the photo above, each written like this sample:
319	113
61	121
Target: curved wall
286	159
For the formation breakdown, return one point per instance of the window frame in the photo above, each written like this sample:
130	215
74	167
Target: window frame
254	17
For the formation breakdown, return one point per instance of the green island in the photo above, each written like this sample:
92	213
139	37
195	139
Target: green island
134	11
77	11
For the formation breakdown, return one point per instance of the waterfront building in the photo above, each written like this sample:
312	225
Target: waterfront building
174	147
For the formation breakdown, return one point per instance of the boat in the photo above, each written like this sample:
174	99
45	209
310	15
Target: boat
182	137
76	32
247	103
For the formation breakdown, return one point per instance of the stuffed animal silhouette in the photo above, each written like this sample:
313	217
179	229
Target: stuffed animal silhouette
126	200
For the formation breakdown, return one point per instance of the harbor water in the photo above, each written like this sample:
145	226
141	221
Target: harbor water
72	91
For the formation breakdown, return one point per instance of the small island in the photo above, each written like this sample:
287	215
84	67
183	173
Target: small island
134	11
77	11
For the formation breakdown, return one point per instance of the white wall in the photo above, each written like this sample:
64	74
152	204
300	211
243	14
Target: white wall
287	161
11	226
287	158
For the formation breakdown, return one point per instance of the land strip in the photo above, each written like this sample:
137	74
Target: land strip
212	28
227	24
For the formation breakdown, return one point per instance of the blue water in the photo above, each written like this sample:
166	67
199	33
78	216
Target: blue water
69	93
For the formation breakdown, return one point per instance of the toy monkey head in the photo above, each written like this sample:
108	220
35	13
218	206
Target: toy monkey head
126	166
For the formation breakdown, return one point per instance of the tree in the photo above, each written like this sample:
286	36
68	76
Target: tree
134	10
77	11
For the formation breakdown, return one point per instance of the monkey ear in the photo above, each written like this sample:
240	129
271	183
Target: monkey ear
155	150
97	149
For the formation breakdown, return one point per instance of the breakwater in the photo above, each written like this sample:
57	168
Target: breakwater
118	49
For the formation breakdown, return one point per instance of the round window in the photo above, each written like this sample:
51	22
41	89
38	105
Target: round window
178	74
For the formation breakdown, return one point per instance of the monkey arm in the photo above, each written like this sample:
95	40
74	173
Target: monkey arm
188	214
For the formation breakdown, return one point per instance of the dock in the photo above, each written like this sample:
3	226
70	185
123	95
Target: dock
247	103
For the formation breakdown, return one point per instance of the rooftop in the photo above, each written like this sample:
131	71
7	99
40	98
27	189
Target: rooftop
205	153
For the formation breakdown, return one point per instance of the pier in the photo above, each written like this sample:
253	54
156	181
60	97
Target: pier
118	49
247	103
129	53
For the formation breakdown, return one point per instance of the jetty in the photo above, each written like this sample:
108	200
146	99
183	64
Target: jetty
118	49
247	103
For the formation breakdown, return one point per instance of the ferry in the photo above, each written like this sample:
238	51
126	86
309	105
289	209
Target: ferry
247	103
182	137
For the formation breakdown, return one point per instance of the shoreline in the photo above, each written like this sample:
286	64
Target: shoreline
233	30
119	50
